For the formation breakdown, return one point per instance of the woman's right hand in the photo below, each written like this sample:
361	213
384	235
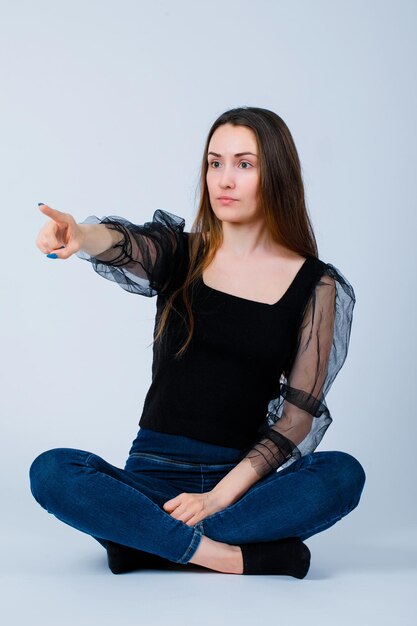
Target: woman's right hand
61	230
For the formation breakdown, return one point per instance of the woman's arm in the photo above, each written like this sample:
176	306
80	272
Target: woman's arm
139	257
299	417
237	482
97	238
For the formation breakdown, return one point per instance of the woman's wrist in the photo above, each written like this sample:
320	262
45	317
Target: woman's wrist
236	483
221	497
97	238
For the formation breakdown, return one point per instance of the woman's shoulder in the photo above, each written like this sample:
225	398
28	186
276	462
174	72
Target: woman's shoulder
330	274
321	266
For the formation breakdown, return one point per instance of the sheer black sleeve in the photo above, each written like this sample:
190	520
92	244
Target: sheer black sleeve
298	418
144	259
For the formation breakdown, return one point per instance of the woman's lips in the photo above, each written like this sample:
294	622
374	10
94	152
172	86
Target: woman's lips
226	200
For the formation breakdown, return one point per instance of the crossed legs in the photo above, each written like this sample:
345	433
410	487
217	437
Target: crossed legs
109	503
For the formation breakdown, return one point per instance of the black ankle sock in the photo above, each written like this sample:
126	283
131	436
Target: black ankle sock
122	559
288	557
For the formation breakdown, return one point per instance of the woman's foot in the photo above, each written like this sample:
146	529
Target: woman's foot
122	559
221	557
287	557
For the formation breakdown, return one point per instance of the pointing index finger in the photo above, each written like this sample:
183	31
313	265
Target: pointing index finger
57	216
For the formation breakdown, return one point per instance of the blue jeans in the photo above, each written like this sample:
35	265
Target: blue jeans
125	505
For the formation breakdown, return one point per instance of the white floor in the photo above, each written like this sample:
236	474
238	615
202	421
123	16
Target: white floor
52	574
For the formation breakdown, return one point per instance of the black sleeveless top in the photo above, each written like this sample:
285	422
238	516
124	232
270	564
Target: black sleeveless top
252	371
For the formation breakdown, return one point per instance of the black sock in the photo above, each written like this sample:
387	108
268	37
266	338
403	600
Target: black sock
288	557
122	559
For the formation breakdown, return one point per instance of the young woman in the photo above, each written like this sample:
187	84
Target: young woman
251	330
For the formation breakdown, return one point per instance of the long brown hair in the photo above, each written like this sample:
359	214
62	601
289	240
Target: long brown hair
281	193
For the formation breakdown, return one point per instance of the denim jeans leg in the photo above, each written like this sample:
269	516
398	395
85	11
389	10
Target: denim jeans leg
309	496
95	497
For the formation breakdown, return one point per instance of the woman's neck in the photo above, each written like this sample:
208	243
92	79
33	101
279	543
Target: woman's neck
245	240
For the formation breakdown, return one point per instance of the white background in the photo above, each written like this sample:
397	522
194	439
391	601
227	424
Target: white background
105	107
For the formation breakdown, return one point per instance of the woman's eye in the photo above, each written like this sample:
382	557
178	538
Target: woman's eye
214	164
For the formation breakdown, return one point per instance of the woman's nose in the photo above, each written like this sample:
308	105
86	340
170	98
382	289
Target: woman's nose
227	178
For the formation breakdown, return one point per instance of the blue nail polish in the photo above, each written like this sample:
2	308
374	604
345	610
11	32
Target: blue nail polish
39	203
52	256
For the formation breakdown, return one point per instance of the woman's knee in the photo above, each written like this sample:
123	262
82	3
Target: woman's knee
49	474
349	475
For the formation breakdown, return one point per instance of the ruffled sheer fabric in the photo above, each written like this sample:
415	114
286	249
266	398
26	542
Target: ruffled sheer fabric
298	418
142	262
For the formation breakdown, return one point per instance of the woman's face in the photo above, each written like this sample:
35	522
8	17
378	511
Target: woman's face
233	172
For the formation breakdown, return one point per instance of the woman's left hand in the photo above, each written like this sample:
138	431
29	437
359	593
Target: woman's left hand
191	508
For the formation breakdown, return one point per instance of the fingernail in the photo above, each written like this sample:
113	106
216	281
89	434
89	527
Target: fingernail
39	203
52	256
